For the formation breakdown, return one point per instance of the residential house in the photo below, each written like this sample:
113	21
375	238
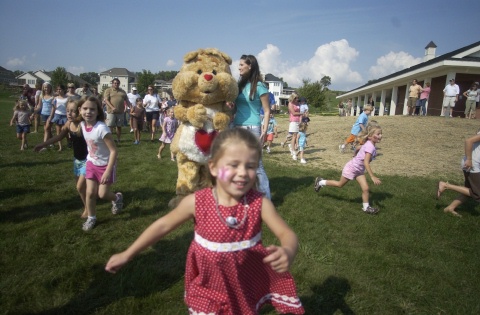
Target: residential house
33	77
278	88
164	88
391	92
7	77
128	79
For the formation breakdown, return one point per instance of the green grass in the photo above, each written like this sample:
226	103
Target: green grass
409	259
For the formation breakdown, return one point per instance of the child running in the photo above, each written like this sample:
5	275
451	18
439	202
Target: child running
137	115
271	132
169	127
471	173
302	141
228	270
355	169
101	159
21	118
72	129
59	112
358	126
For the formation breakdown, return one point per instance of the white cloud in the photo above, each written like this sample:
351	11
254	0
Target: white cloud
171	63
332	59
76	70
392	62
16	62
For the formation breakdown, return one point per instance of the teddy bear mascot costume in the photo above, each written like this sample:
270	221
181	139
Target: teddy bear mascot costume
202	88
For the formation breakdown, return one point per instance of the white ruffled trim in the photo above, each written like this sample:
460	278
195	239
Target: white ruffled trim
192	312
227	247
282	299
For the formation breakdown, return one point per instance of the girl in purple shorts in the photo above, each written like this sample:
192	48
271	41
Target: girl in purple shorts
355	168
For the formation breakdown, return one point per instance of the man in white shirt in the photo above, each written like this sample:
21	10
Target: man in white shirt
132	97
450	97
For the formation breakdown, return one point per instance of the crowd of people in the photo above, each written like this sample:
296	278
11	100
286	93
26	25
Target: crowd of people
229	215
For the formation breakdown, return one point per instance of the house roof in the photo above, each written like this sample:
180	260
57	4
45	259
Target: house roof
118	72
270	78
456	55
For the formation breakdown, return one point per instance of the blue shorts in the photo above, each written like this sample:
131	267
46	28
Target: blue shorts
44	117
79	167
60	120
23	129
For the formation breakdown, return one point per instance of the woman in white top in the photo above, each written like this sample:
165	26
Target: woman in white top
152	110
59	112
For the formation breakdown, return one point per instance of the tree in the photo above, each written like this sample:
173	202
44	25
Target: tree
145	78
91	77
165	75
313	92
326	81
59	76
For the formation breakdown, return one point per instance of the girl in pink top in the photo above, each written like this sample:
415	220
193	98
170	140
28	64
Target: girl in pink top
355	168
294	117
423	99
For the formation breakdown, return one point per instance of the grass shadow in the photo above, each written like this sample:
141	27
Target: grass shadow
147	274
328	298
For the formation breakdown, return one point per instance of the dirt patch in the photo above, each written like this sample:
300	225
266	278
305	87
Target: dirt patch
411	146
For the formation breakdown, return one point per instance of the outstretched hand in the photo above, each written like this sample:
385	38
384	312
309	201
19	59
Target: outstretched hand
278	258
376	180
116	262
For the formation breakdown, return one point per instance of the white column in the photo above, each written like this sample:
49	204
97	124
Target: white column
381	108
359	99
405	101
393	102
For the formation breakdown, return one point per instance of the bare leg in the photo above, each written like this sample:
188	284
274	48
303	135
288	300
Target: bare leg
58	129
337	183
119	133
160	149
362	181
105	193
82	191
457	202
91	197
154	129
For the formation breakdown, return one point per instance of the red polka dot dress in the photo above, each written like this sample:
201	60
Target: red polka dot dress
224	271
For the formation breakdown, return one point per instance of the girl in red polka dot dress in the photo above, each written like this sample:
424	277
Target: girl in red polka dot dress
228	270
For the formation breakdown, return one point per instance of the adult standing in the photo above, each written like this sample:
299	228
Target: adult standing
413	93
470	104
294	118
132	97
84	91
152	110
424	98
450	97
96	94
28	94
349	107
115	99
253	96
71	92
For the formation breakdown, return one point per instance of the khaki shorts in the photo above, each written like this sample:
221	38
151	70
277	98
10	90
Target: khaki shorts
412	101
114	120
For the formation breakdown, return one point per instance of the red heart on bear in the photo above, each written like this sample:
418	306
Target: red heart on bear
204	140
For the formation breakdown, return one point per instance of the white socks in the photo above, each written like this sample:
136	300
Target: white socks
323	182
365	206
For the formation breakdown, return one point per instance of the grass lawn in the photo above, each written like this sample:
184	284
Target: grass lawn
411	258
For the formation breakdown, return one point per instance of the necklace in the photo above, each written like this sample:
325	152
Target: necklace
230	221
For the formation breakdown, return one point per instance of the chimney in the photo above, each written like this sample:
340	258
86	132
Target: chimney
430	51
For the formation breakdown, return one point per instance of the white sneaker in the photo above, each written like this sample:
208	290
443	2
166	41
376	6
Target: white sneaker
268	149
303	161
131	130
294	157
341	148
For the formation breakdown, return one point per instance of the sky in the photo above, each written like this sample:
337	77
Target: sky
349	41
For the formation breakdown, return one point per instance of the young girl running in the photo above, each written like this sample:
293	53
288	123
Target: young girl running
21	118
169	127
228	270
355	168
471	173
302	141
101	159
44	107
59	112
137	115
73	130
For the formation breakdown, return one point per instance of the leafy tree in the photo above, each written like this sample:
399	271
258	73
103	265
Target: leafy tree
59	76
91	77
145	78
17	73
326	81
313	92
165	75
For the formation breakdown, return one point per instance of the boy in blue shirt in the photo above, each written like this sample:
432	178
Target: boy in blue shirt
358	126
